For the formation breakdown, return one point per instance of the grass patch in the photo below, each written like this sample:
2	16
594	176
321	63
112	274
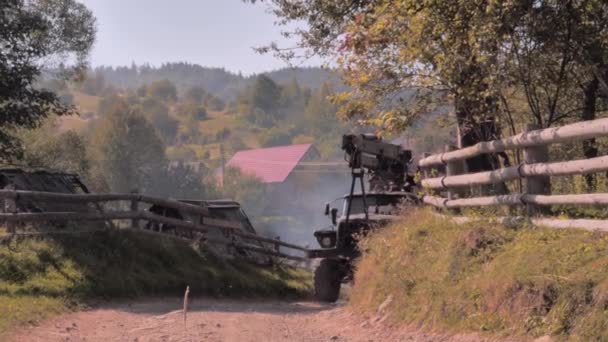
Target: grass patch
487	278
43	277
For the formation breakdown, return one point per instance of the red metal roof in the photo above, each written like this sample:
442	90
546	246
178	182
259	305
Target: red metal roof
270	165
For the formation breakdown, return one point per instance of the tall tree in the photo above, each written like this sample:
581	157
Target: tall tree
37	35
264	100
402	56
126	150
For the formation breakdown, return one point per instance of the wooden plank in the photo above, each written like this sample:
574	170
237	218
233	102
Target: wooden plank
222	223
577	131
513	199
566	168
96	198
583	224
144	215
68	216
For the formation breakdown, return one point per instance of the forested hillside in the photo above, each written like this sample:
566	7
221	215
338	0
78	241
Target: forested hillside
222	83
166	131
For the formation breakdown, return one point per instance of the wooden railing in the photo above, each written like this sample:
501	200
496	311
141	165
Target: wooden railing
134	214
536	170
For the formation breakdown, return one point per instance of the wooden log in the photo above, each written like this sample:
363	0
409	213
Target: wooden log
95	198
577	131
67	216
513	199
144	215
268	252
566	168
590	225
583	224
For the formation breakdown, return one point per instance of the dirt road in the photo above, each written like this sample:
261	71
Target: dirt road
223	320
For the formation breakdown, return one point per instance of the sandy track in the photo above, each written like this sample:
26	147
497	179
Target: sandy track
222	320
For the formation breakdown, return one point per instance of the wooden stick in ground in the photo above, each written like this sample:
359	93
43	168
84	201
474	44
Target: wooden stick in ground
186	304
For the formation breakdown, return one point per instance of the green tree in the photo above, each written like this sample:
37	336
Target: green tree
192	110
195	95
214	103
126	150
33	33
163	90
158	114
260	102
245	189
404	58
275	137
320	113
43	148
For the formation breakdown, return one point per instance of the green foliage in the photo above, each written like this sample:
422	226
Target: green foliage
195	95
126	150
93	85
158	114
38	278
214	103
487	278
181	153
320	113
245	189
262	102
192	110
34	33
222	134
63	152
163	90
275	137
511	62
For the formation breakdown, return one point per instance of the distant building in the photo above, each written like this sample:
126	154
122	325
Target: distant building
289	173
273	165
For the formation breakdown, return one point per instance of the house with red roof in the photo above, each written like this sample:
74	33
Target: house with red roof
272	165
285	170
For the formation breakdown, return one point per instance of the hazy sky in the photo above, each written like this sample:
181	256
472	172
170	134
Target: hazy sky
216	33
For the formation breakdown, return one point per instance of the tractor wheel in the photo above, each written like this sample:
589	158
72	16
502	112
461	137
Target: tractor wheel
327	280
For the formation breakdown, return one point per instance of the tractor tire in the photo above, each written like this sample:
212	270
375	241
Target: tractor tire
327	280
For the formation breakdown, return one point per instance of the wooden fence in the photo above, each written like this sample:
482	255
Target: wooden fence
536	170
134	214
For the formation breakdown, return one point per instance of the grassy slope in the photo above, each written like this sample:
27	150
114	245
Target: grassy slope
39	278
483	277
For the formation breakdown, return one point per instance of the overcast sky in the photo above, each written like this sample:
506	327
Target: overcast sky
215	33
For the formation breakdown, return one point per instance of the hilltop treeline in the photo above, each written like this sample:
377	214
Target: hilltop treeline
221	82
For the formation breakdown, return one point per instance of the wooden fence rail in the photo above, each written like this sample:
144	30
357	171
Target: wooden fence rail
536	170
577	131
566	168
235	228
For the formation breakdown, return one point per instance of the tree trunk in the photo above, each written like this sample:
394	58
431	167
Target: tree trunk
590	149
470	133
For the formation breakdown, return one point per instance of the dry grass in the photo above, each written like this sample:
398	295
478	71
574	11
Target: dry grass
484	277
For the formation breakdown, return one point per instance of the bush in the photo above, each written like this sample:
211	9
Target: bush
275	137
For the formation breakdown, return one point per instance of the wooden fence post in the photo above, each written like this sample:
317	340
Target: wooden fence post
537	185
134	208
454	168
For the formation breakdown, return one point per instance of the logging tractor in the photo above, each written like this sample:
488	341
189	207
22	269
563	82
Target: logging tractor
385	166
